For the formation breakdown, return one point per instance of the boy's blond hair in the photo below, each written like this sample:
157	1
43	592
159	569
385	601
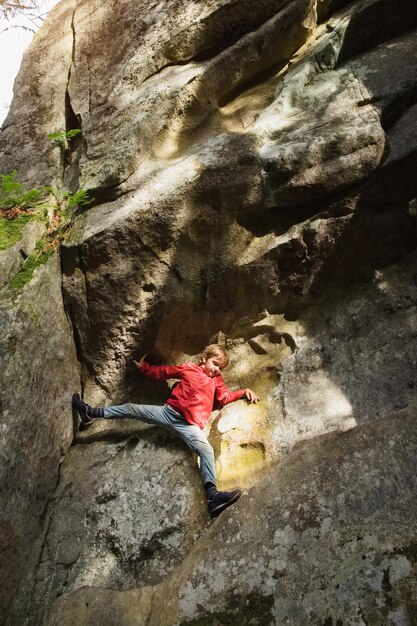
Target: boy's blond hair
214	351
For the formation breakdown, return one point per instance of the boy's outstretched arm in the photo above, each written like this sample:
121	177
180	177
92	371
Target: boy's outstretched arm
158	372
224	396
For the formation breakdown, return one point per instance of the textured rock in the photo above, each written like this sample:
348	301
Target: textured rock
107	607
169	75
241	185
119	526
334	540
12	258
253	168
39	369
40	105
125	513
293	556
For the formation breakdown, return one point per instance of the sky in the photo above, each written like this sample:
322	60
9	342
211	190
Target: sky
14	39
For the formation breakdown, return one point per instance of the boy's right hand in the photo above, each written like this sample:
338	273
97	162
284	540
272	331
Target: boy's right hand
139	364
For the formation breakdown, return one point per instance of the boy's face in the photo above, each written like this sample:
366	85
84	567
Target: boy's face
212	366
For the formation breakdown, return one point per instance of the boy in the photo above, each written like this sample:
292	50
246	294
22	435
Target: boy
185	412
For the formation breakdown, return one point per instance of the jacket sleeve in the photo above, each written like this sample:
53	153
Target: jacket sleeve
223	395
162	372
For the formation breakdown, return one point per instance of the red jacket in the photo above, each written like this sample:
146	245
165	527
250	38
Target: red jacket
196	392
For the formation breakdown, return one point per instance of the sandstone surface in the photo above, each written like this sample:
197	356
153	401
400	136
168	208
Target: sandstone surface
39	369
253	172
334	541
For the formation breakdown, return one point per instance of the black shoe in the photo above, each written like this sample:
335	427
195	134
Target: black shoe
82	409
221	500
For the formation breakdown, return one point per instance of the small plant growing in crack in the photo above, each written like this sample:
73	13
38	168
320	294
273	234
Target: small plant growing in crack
67	201
62	138
53	206
13	196
16	208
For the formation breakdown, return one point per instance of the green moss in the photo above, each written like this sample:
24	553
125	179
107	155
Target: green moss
25	274
11	231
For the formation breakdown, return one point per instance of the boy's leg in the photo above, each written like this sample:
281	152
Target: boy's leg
149	414
192	435
196	439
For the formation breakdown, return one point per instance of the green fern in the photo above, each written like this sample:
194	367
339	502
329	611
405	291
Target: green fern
12	193
51	205
80	198
63	138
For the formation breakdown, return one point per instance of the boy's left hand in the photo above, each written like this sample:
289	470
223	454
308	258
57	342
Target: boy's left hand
251	396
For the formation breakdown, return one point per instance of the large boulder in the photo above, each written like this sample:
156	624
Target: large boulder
128	509
253	172
328	537
119	521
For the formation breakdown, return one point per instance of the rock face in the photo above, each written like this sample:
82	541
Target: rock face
333	540
39	370
40	105
253	172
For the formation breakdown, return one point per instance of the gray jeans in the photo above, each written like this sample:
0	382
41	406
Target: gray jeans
170	419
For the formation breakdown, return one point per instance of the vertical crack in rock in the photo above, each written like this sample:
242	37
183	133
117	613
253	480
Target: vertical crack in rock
71	258
73	121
